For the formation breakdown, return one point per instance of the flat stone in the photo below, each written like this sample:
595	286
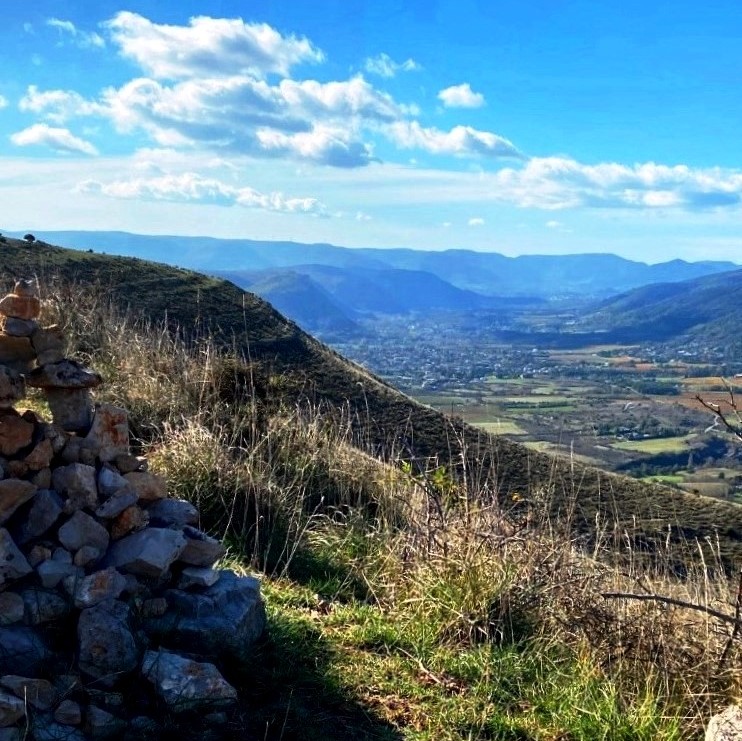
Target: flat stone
20	306
100	724
47	339
42	478
116	504
201	549
99	586
68	713
83	530
12	325
13	494
45	728
12	386
224	621
194	577
71	408
107	646
149	552
16	352
38	693
43	605
51	572
22	651
13	564
15	432
132	518
148	486
109	433
12	709
40	457
46	509
88	555
66	374
39	553
76	482
130	463
184	684
176	513
109	482
11	608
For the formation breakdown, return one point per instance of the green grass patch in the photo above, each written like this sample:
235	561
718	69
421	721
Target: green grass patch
656	445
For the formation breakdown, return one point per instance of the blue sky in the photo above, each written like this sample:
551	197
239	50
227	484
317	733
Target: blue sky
542	127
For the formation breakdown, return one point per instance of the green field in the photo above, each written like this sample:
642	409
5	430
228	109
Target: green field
656	445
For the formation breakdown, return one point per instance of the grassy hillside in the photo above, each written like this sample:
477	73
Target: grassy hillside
403	604
583	500
705	308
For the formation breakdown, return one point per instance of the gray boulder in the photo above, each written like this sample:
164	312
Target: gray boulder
148	552
107	648
83	530
201	549
224	621
175	513
22	651
77	483
12	709
184	684
46	509
13	564
726	726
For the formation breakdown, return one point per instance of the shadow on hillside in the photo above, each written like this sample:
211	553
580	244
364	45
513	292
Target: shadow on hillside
289	693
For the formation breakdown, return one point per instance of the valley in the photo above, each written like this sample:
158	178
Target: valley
626	408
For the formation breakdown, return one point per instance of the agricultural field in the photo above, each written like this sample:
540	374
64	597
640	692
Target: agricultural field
609	406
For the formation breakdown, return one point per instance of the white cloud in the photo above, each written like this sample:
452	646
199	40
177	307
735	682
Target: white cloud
323	144
56	105
558	183
553	224
460	140
362	216
461	96
385	66
208	47
476	222
3	101
28	27
58	139
82	39
190	187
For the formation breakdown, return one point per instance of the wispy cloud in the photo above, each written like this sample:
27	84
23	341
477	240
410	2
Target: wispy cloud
59	139
384	66
460	140
190	187
476	221
461	96
3	101
82	39
56	105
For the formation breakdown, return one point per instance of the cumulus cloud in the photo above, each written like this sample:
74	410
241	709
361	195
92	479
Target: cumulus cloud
461	96
460	140
59	139
56	105
3	101
208	47
385	66
190	187
82	39
476	221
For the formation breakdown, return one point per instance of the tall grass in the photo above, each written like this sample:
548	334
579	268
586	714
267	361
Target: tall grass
482	619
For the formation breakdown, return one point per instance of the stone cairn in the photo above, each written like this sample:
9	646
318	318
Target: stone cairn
113	620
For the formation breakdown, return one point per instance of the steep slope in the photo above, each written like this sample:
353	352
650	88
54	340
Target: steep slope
299	297
488	273
579	497
704	308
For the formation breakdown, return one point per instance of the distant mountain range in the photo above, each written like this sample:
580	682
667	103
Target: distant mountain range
361	272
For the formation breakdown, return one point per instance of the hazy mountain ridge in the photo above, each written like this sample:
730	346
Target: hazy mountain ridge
487	273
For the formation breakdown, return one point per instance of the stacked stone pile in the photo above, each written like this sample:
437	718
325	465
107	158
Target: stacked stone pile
112	615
